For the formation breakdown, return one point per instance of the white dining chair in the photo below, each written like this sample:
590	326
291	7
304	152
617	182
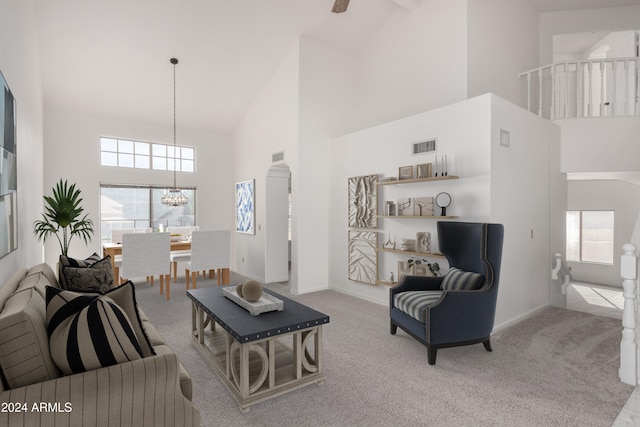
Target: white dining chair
147	255
116	237
210	250
181	255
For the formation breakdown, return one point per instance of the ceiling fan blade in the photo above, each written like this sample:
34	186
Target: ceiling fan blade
340	6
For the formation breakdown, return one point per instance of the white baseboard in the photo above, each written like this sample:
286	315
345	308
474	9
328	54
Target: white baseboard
309	291
518	319
360	296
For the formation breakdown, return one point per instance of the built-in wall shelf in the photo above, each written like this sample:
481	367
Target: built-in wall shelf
419	254
417	216
389	188
409	181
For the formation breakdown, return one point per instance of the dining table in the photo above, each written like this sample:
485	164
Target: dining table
115	248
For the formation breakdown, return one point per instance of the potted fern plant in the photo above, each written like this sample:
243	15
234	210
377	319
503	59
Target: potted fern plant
63	217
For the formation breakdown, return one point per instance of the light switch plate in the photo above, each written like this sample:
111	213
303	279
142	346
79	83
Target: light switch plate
505	140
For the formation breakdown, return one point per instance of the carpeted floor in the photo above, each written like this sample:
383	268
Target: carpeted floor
558	368
600	300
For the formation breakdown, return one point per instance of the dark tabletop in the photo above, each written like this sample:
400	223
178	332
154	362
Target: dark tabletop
244	327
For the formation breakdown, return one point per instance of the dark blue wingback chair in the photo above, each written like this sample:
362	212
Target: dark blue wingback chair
459	308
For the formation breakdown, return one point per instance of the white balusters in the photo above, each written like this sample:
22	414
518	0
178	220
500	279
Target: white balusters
614	97
580	83
565	91
528	91
601	88
558	272
579	92
590	86
626	83
540	93
628	350
554	96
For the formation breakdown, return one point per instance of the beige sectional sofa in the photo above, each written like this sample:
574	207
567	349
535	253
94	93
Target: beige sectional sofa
153	391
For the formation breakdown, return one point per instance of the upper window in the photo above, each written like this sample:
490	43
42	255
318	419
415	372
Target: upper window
145	155
590	236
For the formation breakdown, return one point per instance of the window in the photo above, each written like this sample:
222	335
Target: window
590	236
140	207
145	155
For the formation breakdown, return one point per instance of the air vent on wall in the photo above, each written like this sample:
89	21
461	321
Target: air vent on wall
423	147
277	157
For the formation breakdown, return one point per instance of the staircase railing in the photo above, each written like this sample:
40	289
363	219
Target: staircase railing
561	274
629	353
584	88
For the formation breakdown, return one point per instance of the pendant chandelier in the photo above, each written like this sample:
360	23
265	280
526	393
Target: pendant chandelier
173	196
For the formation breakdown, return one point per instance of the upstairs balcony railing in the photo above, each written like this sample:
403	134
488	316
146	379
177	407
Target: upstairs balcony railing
584	88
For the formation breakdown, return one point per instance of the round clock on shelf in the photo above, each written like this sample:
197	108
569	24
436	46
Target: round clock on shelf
443	200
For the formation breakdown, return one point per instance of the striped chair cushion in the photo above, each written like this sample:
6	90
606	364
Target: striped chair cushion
414	303
88	331
460	280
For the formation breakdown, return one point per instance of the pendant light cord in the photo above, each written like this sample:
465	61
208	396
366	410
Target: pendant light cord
174	61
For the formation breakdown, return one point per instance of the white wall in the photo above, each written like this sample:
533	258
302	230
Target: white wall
624	199
579	21
618	44
506	185
72	150
270	126
326	88
521	177
20	65
416	61
558	196
596	145
463	132
303	105
502	42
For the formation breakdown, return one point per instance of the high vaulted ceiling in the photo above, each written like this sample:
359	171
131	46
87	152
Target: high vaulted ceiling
112	57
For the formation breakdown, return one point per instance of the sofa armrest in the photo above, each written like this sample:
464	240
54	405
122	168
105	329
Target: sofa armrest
144	392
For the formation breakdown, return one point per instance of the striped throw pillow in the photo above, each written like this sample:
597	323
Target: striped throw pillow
88	331
460	280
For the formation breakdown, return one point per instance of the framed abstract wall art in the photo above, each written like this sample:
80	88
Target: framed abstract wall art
245	207
363	201
8	171
362	256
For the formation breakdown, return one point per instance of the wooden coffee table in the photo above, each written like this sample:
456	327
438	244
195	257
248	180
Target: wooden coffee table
258	357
